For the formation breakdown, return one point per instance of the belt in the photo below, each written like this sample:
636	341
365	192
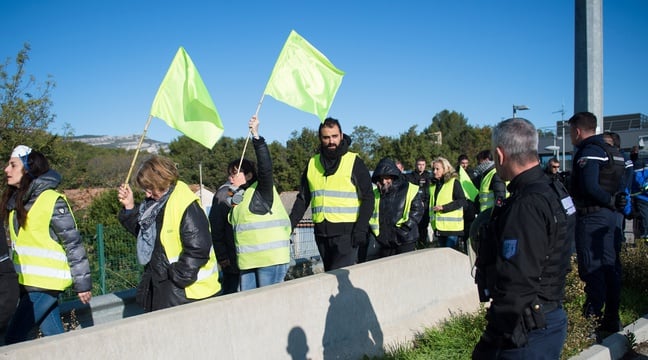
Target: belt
588	210
548	307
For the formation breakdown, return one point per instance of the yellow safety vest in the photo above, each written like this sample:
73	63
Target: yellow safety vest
448	221
261	240
206	283
40	260
333	198
374	222
486	195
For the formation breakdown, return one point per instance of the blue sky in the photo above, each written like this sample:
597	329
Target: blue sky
404	60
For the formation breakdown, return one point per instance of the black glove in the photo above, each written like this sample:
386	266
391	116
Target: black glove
620	201
401	231
359	239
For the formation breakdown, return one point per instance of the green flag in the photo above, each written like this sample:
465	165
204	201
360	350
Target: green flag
467	185
304	78
183	102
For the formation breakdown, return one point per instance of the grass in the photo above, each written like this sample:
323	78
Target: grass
455	337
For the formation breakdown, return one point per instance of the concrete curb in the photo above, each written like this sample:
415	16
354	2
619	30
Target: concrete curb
615	346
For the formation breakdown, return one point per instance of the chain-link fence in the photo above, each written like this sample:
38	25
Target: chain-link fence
113	257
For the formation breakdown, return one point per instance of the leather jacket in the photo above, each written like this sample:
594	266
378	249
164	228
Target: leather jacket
392	207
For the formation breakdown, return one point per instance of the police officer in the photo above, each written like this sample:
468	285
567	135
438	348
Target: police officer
524	254
597	172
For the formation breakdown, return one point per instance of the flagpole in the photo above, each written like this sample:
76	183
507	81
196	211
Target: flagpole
247	139
148	122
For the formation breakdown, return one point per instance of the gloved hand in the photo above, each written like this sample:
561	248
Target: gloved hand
358	239
401	231
620	200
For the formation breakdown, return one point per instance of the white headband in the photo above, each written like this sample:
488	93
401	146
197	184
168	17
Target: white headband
20	151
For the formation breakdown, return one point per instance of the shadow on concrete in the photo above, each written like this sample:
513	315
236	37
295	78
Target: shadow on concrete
352	328
297	344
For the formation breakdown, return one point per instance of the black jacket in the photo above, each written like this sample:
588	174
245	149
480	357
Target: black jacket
170	280
423	180
360	177
531	260
392	206
221	230
263	195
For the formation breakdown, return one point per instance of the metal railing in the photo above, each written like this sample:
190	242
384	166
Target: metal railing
113	257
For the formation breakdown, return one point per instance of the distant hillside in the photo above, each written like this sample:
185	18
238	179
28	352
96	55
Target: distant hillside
128	142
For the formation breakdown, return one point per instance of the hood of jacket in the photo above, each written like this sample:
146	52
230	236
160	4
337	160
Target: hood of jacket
385	167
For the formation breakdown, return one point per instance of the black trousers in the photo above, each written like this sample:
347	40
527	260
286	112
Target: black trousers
337	251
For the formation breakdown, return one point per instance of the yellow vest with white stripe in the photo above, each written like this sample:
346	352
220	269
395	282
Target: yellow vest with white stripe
333	198
445	221
486	195
261	240
206	283
40	260
374	222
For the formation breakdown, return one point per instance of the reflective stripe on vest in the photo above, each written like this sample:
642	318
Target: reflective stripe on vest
40	260
333	198
374	222
448	221
486	195
206	283
261	240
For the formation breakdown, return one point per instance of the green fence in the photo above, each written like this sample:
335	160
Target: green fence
113	257
113	261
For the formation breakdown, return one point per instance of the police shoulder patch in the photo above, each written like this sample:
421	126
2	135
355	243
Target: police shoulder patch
582	162
509	248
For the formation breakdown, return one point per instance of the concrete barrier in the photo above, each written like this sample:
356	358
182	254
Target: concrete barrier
342	314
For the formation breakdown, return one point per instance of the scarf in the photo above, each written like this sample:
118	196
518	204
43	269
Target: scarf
148	212
481	168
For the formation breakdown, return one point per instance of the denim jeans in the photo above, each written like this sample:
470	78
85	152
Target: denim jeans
255	278
34	308
448	241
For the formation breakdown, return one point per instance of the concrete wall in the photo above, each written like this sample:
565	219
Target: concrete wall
341	314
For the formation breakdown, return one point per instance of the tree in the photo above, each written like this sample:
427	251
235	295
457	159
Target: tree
300	147
24	107
364	143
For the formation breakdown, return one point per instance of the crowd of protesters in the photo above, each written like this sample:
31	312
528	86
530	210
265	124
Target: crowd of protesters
500	208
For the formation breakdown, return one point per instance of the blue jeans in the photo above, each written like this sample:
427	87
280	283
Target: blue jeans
255	278
448	241
34	308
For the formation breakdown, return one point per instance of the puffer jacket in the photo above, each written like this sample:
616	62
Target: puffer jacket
392	206
170	280
62	227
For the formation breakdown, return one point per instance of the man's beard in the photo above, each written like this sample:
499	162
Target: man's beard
331	152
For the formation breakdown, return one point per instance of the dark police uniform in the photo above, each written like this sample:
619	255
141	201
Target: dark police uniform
597	172
523	260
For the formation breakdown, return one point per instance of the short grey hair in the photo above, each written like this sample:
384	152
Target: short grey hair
518	138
